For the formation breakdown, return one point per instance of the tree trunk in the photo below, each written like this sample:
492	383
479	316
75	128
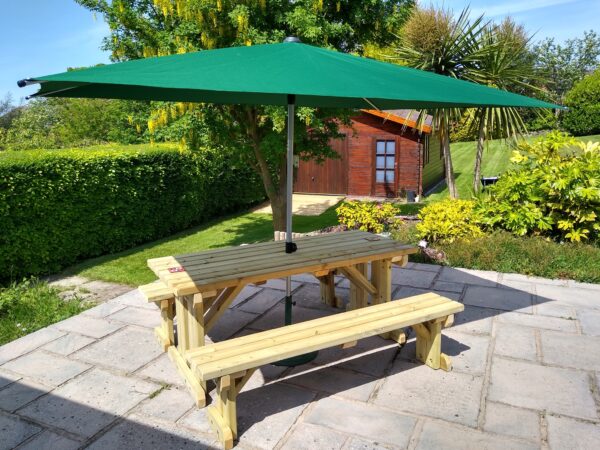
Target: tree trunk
445	138
278	205
479	154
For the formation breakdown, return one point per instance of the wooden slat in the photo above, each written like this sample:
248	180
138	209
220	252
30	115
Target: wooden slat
356	277
398	306
301	334
221	306
190	285
266	355
156	292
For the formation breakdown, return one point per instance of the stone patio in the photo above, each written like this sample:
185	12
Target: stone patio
526	355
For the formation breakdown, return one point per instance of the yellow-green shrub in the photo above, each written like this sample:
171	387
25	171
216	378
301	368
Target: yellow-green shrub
449	220
367	216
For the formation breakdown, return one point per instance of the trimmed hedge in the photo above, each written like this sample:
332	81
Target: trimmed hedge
58	207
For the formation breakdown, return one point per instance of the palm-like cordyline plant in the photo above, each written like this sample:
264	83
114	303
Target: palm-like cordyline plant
434	41
504	62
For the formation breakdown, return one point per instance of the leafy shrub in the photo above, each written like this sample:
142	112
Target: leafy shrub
554	190
367	216
449	220
57	207
583	100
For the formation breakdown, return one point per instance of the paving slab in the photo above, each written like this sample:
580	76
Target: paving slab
28	343
344	383
563	391
307	436
413	278
162	370
48	440
363	420
541	322
14	431
449	286
371	356
230	323
523	286
196	420
279	284
415	388
103	309
263	301
515	341
135	432
467	276
127	350
245	294
589	321
305	278
7	378
103	290
467	351
90	402
497	298
20	393
363	444
579	298
265	414
475	320
427	267
89	326
567	433
142	317
46	368
68	344
133	298
554	309
451	437
309	296
530	279
169	404
517	422
571	350
275	317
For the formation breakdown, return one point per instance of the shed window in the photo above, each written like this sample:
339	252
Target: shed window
385	161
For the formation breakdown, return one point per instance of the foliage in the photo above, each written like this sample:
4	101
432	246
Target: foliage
583	116
367	216
527	255
449	220
564	65
130	266
64	122
30	305
57	207
161	27
554	190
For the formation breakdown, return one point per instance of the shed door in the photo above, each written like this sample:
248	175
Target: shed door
330	177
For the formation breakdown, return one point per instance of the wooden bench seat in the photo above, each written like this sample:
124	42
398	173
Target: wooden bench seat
232	362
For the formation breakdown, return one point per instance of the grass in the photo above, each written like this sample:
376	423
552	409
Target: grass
495	162
30	305
129	267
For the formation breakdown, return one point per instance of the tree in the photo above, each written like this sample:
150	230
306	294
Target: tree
434	40
564	65
505	63
142	28
583	100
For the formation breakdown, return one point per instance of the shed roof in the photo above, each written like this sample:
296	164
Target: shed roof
407	117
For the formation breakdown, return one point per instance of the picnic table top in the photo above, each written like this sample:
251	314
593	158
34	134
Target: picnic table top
231	266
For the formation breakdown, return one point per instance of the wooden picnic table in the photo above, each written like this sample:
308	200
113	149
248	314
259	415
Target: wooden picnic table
198	288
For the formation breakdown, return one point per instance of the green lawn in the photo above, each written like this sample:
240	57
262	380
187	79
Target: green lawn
129	267
495	161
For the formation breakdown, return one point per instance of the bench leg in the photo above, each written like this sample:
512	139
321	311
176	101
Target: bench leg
429	344
164	333
223	414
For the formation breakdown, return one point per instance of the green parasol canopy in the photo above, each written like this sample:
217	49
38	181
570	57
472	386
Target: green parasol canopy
267	74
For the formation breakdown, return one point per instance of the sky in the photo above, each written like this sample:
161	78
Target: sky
40	37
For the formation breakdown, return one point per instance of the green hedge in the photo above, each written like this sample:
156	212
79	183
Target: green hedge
58	207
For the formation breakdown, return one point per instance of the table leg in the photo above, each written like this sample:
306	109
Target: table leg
359	297
381	278
328	289
190	334
164	332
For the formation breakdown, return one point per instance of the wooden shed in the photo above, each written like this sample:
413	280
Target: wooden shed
382	155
